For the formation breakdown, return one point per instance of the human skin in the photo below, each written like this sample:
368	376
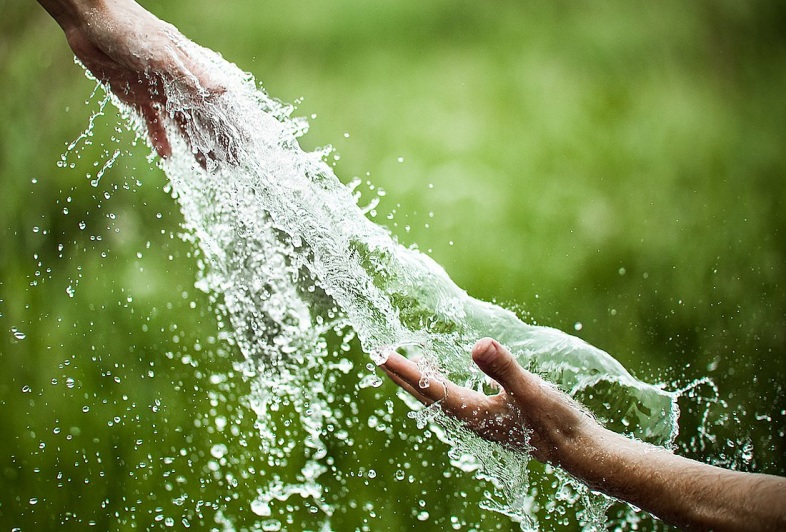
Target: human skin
530	415
136	55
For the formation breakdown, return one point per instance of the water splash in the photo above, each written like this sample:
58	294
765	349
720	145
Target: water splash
294	266
107	165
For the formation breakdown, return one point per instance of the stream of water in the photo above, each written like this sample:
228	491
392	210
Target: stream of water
297	269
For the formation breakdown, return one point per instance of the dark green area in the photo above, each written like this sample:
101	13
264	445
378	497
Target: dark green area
616	165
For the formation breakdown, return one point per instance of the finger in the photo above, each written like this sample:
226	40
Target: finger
406	387
200	81
455	400
209	137
497	362
156	130
184	123
407	372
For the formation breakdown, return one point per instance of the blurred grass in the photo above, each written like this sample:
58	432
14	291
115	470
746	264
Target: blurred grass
615	165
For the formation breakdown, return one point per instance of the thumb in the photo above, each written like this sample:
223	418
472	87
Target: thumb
497	362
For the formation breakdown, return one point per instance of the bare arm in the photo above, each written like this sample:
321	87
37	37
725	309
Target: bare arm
678	490
689	494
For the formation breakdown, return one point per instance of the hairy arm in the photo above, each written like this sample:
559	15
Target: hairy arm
531	415
680	491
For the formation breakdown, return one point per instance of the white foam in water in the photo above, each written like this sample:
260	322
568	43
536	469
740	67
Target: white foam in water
291	260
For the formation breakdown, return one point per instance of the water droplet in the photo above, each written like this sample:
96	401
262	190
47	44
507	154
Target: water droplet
26	389
218	450
70	382
380	356
578	326
70	291
19	335
260	508
370	381
271	525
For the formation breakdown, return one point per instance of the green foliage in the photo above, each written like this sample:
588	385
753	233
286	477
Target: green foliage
617	165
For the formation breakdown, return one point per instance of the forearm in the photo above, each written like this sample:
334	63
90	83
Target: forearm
678	490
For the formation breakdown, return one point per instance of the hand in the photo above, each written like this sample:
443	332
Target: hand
137	55
527	413
533	416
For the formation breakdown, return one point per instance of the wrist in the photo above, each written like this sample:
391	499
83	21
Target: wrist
593	453
70	13
627	469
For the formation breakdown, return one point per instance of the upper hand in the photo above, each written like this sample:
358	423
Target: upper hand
137	56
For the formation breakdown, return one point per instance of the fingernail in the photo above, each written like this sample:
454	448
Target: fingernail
485	349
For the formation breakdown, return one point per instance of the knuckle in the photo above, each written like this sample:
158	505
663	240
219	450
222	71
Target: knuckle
503	365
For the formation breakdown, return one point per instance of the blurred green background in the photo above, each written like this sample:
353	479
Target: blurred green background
614	169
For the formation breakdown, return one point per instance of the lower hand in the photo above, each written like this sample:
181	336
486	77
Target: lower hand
527	413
